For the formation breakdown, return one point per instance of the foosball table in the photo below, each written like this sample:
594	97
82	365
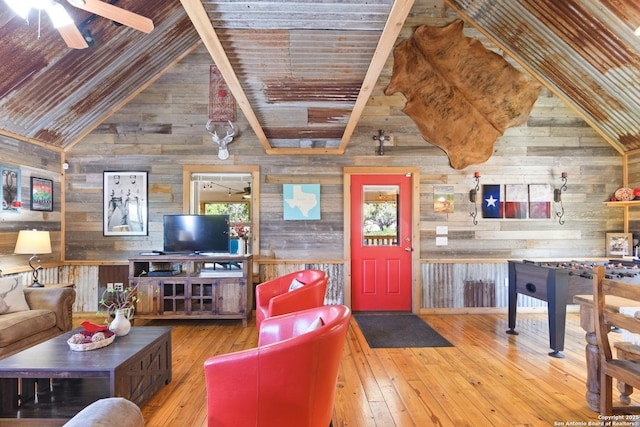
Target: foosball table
557	283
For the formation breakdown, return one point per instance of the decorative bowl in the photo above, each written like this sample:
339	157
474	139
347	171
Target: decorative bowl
85	340
624	194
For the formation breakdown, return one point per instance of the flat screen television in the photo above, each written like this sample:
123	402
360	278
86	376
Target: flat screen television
196	233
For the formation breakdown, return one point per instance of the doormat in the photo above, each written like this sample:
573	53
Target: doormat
398	331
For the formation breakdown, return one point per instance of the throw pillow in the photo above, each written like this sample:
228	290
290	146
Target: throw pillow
315	325
12	296
295	284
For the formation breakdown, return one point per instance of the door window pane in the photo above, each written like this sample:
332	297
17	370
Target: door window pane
380	215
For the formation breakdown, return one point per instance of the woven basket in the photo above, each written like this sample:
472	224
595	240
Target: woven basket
91	345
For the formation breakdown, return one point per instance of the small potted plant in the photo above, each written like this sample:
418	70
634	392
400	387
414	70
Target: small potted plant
119	304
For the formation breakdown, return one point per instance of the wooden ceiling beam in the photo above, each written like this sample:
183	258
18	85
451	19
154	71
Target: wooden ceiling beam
392	28
203	26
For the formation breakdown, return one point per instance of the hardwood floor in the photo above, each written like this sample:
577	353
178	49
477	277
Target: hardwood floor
489	378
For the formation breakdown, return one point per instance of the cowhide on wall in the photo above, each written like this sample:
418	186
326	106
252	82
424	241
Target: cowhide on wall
461	95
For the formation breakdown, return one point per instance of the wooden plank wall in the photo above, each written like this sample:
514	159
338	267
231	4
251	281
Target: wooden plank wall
552	141
33	161
535	153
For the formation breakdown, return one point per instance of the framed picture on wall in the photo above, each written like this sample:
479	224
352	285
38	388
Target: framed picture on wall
41	194
10	190
619	244
301	201
443	199
125	204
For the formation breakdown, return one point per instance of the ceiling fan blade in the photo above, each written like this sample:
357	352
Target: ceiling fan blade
115	13
72	37
245	190
65	26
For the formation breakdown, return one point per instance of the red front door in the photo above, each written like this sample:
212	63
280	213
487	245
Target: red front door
381	243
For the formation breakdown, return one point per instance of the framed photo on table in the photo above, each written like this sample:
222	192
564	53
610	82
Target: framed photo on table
41	194
125	210
619	244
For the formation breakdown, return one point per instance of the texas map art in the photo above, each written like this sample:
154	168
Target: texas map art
301	201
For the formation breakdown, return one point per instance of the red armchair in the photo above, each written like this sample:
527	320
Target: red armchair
288	380
273	297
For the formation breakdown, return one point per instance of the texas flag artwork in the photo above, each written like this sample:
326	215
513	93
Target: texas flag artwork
539	201
491	205
515	201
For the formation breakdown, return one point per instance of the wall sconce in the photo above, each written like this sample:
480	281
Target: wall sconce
33	242
473	197
381	138
557	197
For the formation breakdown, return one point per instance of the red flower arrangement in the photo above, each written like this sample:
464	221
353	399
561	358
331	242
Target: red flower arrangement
240	230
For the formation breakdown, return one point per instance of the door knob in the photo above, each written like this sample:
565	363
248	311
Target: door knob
408	249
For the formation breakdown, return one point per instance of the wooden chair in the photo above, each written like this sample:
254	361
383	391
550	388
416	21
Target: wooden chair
626	351
608	296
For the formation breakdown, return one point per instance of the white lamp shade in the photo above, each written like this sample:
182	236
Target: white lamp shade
33	242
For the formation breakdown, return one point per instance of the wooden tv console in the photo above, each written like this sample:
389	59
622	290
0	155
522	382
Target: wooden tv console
216	286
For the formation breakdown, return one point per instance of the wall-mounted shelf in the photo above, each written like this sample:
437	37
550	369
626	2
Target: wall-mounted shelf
622	204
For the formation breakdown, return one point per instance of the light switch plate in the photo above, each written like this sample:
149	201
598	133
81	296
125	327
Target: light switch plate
442	229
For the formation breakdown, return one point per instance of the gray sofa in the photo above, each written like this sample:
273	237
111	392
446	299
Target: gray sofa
49	314
109	412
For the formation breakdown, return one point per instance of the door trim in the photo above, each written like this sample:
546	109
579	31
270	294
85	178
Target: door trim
416	289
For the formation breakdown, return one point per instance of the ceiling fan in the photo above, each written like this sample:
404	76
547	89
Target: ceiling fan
65	25
246	191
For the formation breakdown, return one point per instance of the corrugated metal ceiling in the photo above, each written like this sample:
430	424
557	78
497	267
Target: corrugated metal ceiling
585	51
295	57
55	95
301	64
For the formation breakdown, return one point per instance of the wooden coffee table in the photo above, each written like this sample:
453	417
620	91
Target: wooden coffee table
134	366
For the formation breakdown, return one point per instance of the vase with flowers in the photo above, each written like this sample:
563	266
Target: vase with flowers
119	305
242	232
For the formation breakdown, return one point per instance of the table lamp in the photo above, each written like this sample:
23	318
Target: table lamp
34	242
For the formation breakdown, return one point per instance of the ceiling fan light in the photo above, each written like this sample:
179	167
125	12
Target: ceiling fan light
88	37
20	7
59	16
41	4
